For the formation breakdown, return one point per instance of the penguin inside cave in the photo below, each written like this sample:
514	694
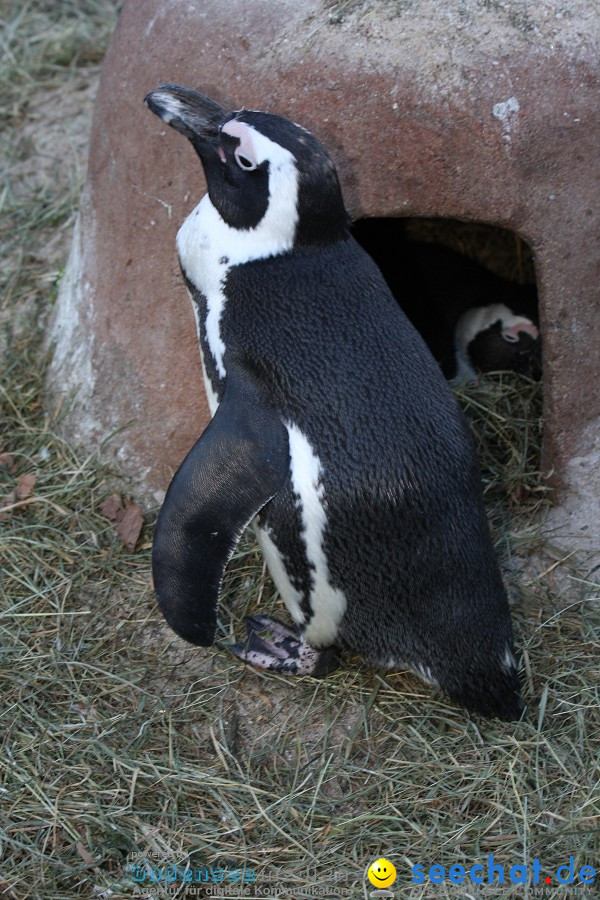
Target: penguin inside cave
473	320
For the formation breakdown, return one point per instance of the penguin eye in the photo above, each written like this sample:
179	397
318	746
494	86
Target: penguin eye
244	162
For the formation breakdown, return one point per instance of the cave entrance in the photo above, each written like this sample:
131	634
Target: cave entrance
468	288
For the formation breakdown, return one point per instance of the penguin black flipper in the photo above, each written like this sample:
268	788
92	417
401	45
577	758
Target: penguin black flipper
237	465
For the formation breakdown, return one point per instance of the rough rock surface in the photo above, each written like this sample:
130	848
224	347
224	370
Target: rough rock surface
471	109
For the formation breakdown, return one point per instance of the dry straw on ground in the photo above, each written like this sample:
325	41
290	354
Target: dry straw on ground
118	743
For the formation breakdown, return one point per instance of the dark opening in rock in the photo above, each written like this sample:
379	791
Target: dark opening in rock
468	288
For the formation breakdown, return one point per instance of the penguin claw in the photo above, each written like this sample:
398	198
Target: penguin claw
277	647
276	629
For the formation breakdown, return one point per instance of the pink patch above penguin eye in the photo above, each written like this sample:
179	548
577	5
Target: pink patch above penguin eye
245	154
511	333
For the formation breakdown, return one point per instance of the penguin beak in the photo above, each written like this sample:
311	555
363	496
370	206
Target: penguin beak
192	114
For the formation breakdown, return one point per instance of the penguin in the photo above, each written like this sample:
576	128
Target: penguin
473	320
334	433
494	338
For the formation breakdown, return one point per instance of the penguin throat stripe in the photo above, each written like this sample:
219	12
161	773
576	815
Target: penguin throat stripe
208	247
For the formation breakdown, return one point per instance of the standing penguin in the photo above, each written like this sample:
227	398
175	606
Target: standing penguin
334	432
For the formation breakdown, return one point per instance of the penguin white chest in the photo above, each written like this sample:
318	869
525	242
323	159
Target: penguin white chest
209	247
327	603
206	267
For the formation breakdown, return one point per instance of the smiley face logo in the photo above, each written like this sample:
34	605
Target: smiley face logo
381	873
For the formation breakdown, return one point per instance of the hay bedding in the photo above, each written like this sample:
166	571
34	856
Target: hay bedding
120	745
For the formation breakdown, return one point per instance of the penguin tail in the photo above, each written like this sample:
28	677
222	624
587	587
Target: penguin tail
494	695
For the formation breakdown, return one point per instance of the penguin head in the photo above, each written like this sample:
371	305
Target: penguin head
493	338
261	169
496	348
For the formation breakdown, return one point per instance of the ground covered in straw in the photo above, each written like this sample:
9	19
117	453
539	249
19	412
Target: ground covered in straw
121	746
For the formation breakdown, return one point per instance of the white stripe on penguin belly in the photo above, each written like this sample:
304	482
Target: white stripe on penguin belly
276	566
211	396
328	604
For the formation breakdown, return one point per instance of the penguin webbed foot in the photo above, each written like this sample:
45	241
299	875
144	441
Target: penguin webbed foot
277	647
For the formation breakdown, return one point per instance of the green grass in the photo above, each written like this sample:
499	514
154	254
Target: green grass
119	743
